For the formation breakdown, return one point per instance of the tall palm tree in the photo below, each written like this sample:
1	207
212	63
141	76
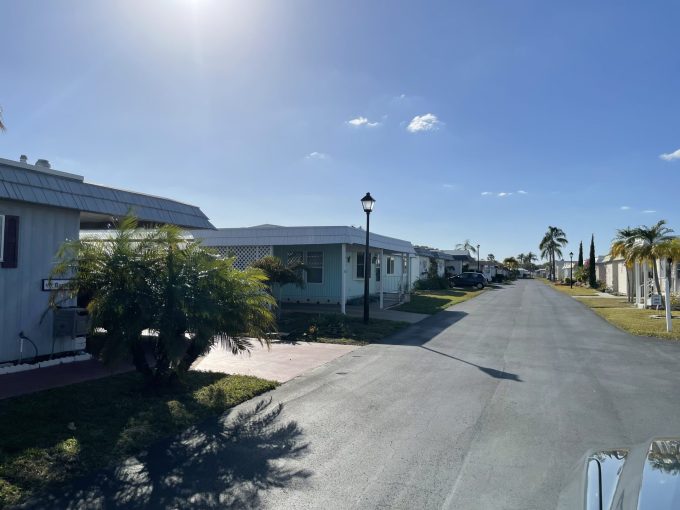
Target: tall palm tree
467	245
530	258
521	259
551	245
643	244
2	126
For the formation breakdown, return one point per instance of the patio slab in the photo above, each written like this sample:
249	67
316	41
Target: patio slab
282	362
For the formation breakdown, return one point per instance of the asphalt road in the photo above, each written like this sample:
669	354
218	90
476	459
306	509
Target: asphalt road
487	405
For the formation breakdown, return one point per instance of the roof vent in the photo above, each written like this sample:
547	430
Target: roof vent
23	159
43	163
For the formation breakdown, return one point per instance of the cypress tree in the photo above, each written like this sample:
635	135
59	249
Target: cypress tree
592	278
580	254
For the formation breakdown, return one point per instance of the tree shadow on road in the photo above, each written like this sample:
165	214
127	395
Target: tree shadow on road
223	463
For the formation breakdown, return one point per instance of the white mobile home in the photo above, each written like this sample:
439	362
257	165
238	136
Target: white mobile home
40	208
333	256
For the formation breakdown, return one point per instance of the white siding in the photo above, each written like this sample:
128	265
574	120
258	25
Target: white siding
42	230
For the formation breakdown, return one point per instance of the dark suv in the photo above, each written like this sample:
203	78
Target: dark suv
476	280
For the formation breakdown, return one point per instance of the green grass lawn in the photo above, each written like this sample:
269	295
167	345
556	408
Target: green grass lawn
53	436
634	320
336	328
433	301
576	291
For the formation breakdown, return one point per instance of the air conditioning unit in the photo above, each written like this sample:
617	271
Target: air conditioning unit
70	322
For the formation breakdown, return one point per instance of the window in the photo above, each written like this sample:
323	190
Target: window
314	267
361	266
9	237
390	265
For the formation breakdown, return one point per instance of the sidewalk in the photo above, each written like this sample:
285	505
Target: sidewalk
30	381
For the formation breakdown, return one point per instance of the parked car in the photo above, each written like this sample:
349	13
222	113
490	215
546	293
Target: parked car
469	279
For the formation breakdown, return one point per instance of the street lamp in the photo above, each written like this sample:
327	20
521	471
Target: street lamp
571	269
367	203
478	258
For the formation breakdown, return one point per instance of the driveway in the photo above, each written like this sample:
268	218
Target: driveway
486	405
281	362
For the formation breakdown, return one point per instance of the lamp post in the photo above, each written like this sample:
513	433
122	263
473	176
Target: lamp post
367	203
571	269
478	267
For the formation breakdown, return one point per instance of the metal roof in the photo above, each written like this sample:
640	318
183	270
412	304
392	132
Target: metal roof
271	235
459	254
426	251
38	185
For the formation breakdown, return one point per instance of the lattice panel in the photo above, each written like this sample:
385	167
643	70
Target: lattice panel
245	255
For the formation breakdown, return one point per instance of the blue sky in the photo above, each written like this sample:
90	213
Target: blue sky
243	108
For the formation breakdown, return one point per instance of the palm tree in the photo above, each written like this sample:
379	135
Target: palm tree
280	275
157	280
511	263
491	257
551	245
467	245
2	126
530	258
669	251
521	259
644	244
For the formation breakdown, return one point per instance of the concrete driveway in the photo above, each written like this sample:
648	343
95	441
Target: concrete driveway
281	362
486	405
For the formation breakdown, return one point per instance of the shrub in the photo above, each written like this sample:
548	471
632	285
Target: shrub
432	283
675	301
157	280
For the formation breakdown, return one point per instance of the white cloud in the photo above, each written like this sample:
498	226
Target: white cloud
317	155
362	121
485	193
504	194
427	122
670	156
625	207
522	192
648	211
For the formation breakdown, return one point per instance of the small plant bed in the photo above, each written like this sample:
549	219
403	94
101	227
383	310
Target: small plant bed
636	321
433	301
54	436
335	328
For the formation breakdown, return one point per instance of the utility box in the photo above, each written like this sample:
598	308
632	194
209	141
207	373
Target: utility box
70	322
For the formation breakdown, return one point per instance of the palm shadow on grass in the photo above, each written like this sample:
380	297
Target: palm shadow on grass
223	463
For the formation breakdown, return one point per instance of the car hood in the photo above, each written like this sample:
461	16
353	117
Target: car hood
641	477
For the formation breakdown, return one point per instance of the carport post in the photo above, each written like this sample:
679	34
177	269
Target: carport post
343	275
382	278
